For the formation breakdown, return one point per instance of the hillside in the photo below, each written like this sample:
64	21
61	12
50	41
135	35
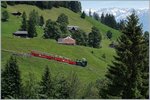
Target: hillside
97	66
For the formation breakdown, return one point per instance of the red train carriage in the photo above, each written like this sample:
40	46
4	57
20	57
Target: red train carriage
58	58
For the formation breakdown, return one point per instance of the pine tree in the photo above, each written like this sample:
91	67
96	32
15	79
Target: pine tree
63	22
31	25
52	30
83	15
30	87
62	88
62	18
94	38
5	16
125	75
24	22
41	20
11	80
96	16
4	4
80	37
46	85
145	70
109	34
102	18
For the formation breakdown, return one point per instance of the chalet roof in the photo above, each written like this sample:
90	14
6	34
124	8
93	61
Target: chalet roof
20	32
67	39
73	26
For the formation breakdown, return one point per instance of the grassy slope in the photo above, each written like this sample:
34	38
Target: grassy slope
96	64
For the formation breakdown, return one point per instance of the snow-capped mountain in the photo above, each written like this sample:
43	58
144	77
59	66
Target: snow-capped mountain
122	13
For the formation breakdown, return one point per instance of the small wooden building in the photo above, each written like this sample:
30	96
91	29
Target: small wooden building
16	13
73	28
21	34
68	41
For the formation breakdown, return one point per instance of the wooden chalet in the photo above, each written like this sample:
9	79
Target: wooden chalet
67	41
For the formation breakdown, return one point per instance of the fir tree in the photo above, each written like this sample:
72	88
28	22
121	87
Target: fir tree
4	4
96	16
30	87
94	38
109	34
5	16
46	85
102	18
31	25
11	80
52	30
41	21
125	75
83	15
63	22
24	22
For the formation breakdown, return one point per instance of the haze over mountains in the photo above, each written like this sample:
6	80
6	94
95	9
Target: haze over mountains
122	13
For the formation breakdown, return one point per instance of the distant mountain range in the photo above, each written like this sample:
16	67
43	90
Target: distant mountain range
122	13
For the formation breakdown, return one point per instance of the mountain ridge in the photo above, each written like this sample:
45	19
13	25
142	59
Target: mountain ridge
122	13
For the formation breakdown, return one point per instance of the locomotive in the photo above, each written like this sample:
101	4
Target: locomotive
82	62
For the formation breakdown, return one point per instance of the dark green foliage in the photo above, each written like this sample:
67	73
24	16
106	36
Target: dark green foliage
11	80
90	13
52	30
102	18
109	34
96	16
4	4
62	18
83	15
67	88
35	17
46	85
43	4
31	24
72	5
24	22
94	38
80	37
75	6
101	85
5	16
41	21
146	36
90	92
121	25
62	88
30	87
109	20
104	56
126	74
63	22
12	3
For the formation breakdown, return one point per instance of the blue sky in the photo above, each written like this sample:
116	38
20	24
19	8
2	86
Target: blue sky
108	4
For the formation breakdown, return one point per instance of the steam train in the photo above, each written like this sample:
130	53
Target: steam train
82	62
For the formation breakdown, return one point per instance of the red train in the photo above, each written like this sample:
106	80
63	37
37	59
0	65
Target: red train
82	62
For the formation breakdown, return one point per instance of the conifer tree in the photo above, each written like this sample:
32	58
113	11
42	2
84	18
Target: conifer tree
41	21
31	25
46	85
30	87
11	80
83	15
5	16
63	22
4	4
125	75
24	22
94	38
52	30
